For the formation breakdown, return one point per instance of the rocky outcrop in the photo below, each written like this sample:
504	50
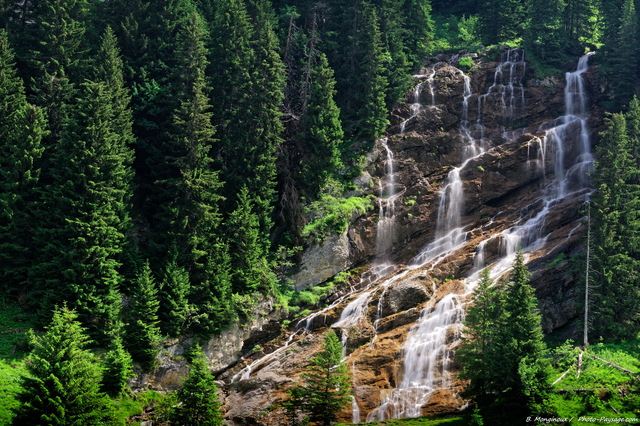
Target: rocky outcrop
502	188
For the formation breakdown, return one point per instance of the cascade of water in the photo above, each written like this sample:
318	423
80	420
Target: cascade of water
386	205
450	234
507	83
426	358
355	410
426	350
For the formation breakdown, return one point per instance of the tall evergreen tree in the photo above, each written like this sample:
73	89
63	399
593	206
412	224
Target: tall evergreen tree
63	385
118	368
503	352
616	254
86	202
623	57
177	313
545	35
250	268
22	128
478	350
142	329
327	384
322	135
501	20
198	399
191	212
372	83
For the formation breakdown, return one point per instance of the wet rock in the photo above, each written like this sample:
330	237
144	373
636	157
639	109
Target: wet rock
406	294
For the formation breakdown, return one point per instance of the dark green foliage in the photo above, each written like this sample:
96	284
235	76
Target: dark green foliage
372	83
250	268
86	201
623	55
326	387
142	329
478	349
616	253
503	354
118	368
22	128
190	213
198	399
63	385
544	37
176	313
501	20
322	135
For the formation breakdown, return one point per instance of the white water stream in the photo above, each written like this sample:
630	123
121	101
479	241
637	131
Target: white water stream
426	353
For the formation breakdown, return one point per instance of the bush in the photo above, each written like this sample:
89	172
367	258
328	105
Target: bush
465	62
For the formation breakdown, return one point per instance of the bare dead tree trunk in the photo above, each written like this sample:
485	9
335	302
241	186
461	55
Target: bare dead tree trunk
586	280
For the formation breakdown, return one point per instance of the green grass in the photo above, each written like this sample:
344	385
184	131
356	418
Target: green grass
606	391
133	405
14	325
10	373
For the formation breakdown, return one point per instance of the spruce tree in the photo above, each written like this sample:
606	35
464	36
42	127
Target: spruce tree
326	387
502	353
198	399
190	218
63	385
544	34
372	113
142	329
22	128
86	201
322	135
623	57
251	270
616	255
177	313
477	352
501	20
118	368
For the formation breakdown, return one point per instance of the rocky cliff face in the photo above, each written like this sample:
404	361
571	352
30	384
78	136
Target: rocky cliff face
471	167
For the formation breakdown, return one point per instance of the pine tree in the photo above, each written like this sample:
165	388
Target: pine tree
503	352
544	33
177	313
22	128
142	330
616	257
501	20
477	352
63	385
86	201
198	398
521	362
372	82
623	57
189	220
327	383
323	135
118	368
251	270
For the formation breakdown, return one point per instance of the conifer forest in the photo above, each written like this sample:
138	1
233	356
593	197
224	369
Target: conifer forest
279	212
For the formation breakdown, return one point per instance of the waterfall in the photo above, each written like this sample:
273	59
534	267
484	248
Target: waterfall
567	183
426	350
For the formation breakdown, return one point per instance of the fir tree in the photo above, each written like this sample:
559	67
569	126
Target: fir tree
191	212
327	384
118	368
87	201
323	133
501	20
373	83
198	399
251	270
142	330
177	313
623	57
477	352
544	33
63	385
22	128
616	220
